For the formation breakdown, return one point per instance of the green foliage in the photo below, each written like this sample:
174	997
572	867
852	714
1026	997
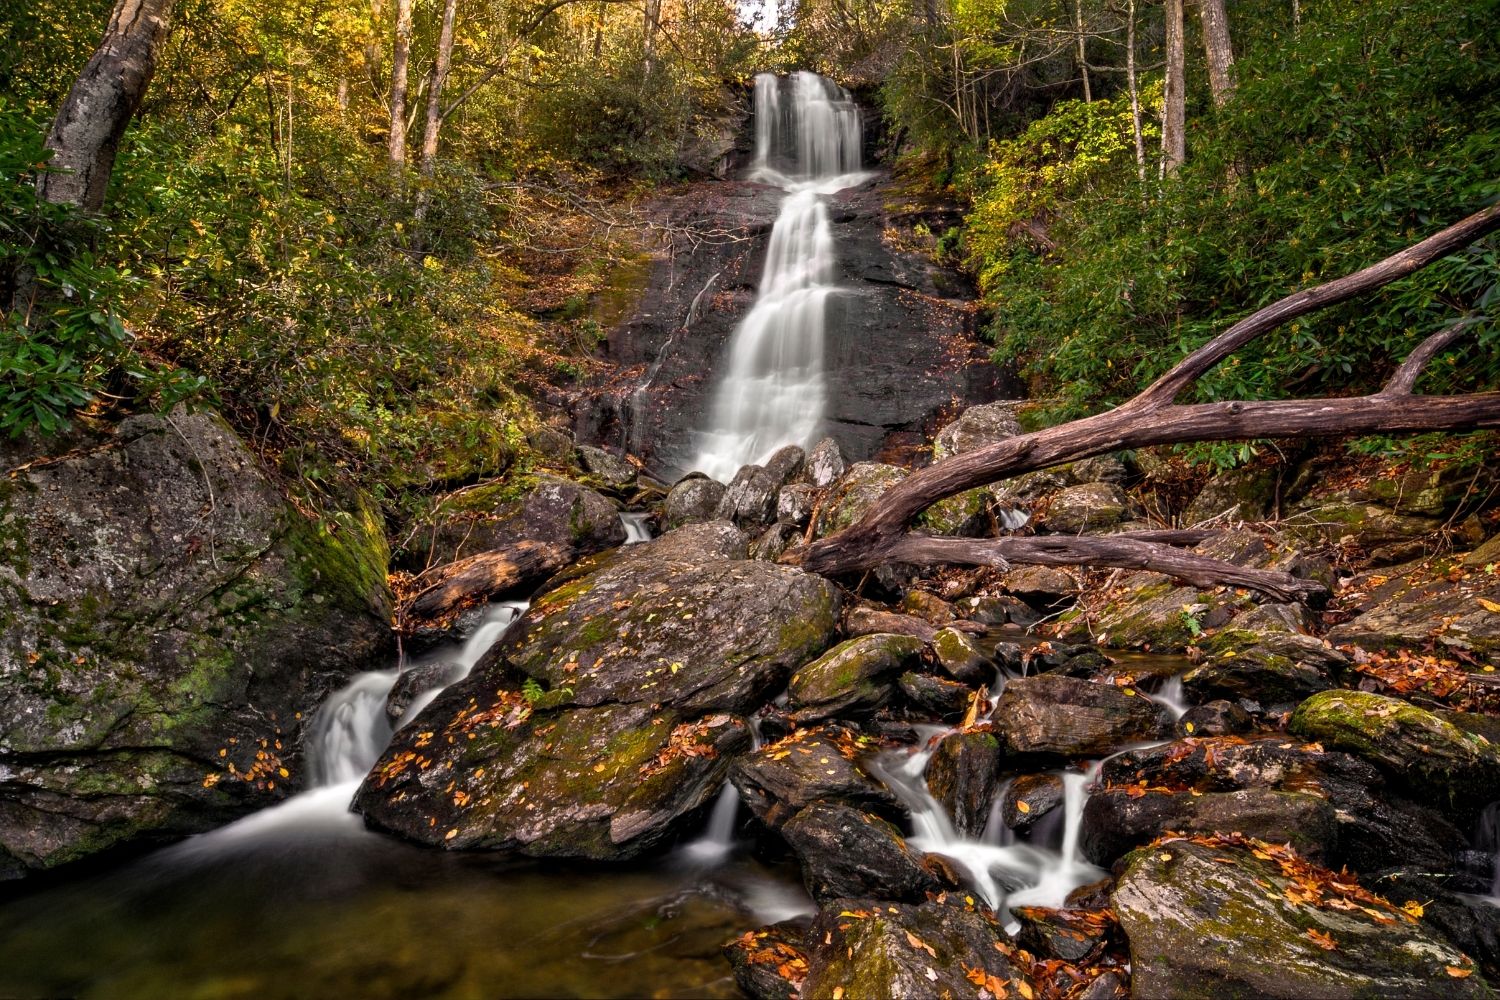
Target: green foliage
1373	127
62	343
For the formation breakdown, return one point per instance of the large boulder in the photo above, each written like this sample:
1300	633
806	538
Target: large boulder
1086	507
694	499
1428	756
1147	792
750	498
867	949
846	852
482	768
1256	920
1272	667
168	622
988	423
1414	608
703	636
825	464
857	675
1050	716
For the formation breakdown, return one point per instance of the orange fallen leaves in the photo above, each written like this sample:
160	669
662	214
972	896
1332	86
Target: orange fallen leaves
1324	941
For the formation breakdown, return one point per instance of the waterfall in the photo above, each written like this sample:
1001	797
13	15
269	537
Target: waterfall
637	526
808	141
345	739
1003	871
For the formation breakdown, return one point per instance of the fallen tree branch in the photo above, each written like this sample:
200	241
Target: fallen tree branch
1103	550
1153	418
487	576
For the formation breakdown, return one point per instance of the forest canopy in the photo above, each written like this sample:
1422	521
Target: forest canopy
371	232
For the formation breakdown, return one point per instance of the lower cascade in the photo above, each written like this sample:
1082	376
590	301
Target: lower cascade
772	391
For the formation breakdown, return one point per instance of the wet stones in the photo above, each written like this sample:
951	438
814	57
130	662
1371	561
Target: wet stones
856	676
846	852
1223	921
608	782
1052	717
1272	668
1029	799
818	765
962	776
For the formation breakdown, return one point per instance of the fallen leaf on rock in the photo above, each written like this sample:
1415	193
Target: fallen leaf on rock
1322	940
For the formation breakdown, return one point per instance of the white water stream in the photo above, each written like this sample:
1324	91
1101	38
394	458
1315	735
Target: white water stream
808	140
1003	871
346	738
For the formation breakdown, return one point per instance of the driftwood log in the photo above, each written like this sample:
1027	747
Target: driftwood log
1155	418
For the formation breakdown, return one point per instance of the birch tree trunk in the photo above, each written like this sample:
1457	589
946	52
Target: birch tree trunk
375	46
435	93
1083	62
86	133
1174	109
1217	48
400	57
1135	93
652	25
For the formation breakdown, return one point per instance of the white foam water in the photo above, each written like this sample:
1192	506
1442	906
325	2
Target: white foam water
345	739
1003	871
637	527
773	392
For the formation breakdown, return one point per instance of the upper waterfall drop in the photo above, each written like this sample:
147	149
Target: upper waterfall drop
808	141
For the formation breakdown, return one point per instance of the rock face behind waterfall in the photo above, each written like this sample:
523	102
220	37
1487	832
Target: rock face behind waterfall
166	615
899	350
648	657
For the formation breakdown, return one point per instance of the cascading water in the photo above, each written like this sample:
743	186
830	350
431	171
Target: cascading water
1004	873
772	393
346	738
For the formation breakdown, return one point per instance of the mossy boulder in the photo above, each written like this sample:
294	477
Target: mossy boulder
168	623
855	676
960	658
1086	507
964	515
1431	758
480	769
1055	717
717	635
1206	921
976	427
1243	494
1271	668
846	852
1354	522
864	949
611	470
855	494
538	508
1145	792
1419	605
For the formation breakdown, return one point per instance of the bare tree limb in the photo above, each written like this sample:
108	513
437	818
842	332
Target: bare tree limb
1152	418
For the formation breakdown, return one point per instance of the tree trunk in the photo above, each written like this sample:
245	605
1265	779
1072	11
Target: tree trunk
1217	49
400	56
86	134
1155	418
652	25
435	93
1174	98
1083	62
375	46
515	569
1135	93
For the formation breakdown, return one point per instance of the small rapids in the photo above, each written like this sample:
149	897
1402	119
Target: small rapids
1006	873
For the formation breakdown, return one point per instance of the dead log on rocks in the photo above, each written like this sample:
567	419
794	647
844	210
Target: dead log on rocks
1155	418
515	569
